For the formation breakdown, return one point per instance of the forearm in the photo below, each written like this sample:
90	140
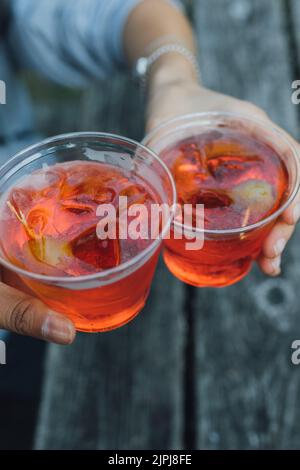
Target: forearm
153	22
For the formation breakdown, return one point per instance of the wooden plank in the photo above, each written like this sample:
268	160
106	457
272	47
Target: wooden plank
243	55
246	387
292	14
121	389
292	11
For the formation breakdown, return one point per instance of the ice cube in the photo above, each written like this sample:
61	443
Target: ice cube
37	220
103	195
101	254
21	200
231	164
76	206
135	194
211	198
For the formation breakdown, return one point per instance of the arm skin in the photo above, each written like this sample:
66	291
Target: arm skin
146	25
173	90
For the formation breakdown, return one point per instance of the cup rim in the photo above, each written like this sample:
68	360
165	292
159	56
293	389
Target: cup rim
264	125
121	267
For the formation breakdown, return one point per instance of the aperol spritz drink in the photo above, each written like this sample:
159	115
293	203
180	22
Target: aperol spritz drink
242	179
48	229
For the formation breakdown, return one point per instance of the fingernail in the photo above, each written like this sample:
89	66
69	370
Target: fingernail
58	329
296	213
276	265
279	246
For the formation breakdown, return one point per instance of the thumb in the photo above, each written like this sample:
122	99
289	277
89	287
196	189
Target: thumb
28	316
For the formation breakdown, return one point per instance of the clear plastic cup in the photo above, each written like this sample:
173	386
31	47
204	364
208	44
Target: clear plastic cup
227	254
110	298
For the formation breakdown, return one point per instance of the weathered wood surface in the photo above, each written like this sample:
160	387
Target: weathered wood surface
121	389
292	8
198	368
247	390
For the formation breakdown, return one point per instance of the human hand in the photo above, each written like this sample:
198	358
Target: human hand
169	99
23	314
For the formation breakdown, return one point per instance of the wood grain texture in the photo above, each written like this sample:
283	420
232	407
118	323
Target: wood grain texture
127	389
247	390
122	389
292	10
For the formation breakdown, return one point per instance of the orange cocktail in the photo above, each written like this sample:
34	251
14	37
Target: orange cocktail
49	220
243	173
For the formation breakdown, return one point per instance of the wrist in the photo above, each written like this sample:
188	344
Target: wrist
172	69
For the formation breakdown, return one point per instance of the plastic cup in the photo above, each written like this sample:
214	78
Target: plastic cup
227	254
110	298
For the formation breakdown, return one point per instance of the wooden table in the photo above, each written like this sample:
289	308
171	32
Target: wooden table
199	368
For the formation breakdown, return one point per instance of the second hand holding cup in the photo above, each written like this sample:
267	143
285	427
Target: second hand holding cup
245	173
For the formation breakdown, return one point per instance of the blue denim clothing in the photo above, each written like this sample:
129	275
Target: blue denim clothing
71	42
